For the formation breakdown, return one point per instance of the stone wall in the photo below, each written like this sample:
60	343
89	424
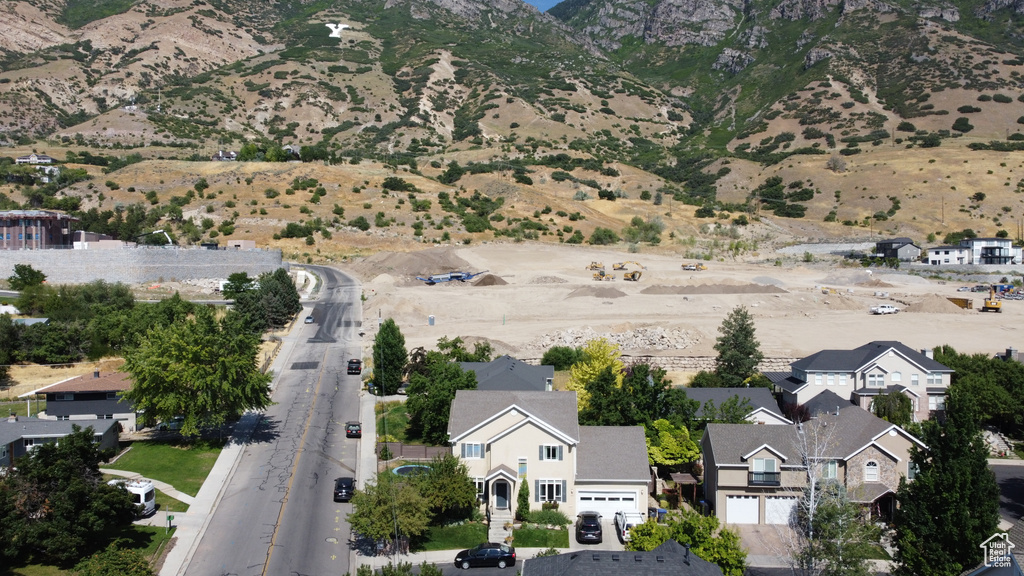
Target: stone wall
140	264
692	363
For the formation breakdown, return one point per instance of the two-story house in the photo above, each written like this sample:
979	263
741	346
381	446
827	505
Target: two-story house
756	474
95	396
860	374
902	249
998	251
506	438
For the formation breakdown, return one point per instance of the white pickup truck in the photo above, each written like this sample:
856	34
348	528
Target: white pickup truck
884	309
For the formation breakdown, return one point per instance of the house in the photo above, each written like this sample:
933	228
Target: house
941	255
998	251
668	559
755	474
96	396
1011	354
222	156
903	249
19	434
860	374
34	159
506	438
35	229
763	407
507	373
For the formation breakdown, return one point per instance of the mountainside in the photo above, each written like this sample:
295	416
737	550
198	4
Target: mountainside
705	103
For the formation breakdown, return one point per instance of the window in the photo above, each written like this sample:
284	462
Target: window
936	402
915	379
912	470
830	471
817	379
842	379
472	450
896	377
3	452
111	395
831	379
64	396
550	452
30	443
764	465
934	379
871	471
105	416
64	417
479	483
522	467
876	380
551	490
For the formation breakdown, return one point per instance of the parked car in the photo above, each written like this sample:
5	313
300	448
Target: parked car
343	488
309	319
355	366
353	430
588	528
626	520
489	554
172	425
885	309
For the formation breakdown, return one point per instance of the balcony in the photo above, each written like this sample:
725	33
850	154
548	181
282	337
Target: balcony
764	478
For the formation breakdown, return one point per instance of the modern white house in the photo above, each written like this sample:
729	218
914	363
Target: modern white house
977	251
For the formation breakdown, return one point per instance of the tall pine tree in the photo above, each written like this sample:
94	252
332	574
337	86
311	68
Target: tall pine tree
952	505
389	358
739	352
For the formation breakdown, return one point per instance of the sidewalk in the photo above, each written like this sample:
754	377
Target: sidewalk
161	486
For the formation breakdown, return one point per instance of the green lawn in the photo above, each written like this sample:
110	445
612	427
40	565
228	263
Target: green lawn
181	465
450	537
149	540
540	538
18	407
165	503
392	417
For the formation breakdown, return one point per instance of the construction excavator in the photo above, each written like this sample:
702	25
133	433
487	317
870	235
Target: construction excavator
632	276
596	266
990	304
602	275
624	265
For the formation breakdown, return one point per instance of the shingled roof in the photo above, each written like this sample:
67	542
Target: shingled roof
471	408
94	382
508	373
627	443
758	397
853	360
668	559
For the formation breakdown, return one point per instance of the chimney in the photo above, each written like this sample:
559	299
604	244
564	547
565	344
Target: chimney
928	353
1011	353
12	418
96	374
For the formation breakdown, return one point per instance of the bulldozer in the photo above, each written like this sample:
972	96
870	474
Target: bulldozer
990	304
624	265
602	275
596	266
632	276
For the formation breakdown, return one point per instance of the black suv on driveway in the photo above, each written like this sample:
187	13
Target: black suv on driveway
588	528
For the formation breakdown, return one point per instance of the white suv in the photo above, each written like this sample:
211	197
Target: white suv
626	520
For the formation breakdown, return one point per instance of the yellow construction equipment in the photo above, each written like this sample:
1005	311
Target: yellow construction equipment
602	275
698	267
596	266
965	303
991	304
624	265
632	276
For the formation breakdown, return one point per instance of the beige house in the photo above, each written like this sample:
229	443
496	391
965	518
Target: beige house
756	474
506	438
860	374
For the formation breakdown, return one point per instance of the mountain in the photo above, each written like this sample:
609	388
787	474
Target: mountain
778	113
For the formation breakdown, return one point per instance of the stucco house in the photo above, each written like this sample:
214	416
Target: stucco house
95	396
941	255
506	438
860	374
999	251
755	474
507	373
18	435
763	407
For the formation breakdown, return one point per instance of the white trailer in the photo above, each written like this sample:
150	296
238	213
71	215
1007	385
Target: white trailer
143	491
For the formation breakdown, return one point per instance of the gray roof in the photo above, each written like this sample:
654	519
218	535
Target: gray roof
474	407
27	427
507	373
627	443
825	401
758	397
852	360
901	241
668	559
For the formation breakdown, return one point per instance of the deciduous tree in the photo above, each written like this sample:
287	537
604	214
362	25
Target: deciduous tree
24	276
739	352
669	445
389	357
388	506
894	407
431	393
598	354
114	561
449	489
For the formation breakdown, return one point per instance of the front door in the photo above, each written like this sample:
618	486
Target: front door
501	495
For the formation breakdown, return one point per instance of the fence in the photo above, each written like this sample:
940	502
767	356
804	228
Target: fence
412	452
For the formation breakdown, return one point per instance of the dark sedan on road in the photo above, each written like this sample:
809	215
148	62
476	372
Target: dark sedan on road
355	366
489	554
343	488
353	430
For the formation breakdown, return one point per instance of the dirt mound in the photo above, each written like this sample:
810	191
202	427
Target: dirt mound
548	280
715	289
935	304
490	280
408	265
876	283
597	292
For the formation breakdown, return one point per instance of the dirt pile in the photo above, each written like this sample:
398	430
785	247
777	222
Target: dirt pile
714	289
490	280
597	292
643	338
935	304
407	265
548	280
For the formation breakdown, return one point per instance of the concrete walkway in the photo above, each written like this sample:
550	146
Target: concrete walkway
161	486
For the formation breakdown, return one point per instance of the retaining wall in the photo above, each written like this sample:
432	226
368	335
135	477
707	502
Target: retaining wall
140	264
692	363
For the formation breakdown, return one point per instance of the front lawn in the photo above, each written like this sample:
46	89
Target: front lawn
456	537
182	465
540	538
393	420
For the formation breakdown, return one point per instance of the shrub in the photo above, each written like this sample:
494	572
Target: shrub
548	517
603	237
962	125
906	127
360	222
561	357
1002	98
968	109
984	98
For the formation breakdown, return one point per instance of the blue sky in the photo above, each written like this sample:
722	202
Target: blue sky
543	5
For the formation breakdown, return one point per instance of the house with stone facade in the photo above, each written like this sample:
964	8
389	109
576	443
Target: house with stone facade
756	474
861	374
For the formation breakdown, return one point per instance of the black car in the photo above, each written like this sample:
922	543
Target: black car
489	554
588	528
353	430
343	488
355	366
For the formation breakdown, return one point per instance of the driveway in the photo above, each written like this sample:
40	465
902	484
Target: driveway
1010	477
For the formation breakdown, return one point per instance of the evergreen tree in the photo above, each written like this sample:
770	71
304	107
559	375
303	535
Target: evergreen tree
739	352
523	500
389	358
952	505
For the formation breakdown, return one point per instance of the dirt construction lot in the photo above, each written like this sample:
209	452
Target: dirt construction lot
536	296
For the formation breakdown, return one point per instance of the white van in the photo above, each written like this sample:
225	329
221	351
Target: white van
143	491
626	520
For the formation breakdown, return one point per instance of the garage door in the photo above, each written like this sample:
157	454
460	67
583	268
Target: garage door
741	509
779	509
606	503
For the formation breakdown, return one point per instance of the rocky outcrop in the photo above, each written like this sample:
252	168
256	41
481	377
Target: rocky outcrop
797	9
947	13
732	61
670	22
815	55
985	11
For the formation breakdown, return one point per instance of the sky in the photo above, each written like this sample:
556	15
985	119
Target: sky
543	5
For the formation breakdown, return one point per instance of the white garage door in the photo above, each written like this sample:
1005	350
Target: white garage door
606	503
779	509
741	509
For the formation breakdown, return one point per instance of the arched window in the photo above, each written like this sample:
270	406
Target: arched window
871	471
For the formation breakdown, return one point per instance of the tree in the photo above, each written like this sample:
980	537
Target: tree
389	357
449	489
200	369
598	354
114	561
561	357
431	393
953	503
238	283
387	508
739	351
8	344
646	388
608	405
836	164
25	276
455	350
647	536
731	411
603	236
669	445
523	500
702	534
894	407
840	542
279	297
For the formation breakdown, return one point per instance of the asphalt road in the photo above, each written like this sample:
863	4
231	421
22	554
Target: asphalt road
277	515
1010	478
